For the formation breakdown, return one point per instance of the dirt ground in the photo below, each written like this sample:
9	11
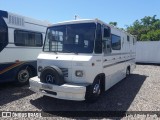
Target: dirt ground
139	92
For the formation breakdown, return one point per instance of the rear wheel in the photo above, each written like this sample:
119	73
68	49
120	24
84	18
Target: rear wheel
128	71
23	75
93	91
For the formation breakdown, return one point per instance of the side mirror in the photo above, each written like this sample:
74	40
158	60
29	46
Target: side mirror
107	32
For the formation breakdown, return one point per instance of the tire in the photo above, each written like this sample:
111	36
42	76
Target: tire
93	91
52	75
128	71
23	75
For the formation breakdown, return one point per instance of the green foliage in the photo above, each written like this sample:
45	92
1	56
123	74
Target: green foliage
148	28
151	35
113	23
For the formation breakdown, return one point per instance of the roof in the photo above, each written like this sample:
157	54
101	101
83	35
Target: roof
74	22
6	14
88	21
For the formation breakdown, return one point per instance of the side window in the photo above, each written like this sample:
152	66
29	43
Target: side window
3	34
27	38
106	41
128	38
134	41
116	42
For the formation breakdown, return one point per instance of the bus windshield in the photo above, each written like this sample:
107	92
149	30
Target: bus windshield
3	34
70	38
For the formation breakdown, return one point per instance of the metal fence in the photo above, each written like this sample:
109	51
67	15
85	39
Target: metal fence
148	52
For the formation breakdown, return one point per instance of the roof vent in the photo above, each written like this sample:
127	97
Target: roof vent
16	20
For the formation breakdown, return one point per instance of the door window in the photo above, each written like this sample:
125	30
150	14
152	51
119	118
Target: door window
106	40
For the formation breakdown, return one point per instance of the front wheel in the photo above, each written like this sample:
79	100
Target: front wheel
128	71
23	75
93	91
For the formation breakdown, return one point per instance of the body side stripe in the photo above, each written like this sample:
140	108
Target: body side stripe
11	67
117	63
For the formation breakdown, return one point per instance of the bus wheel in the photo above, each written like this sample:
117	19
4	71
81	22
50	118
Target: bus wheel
23	75
93	91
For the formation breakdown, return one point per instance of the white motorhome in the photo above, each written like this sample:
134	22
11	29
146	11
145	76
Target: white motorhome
83	58
21	40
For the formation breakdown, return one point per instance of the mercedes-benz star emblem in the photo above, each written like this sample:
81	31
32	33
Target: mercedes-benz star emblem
49	79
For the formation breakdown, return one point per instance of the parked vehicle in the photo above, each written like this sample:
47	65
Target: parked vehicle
83	58
21	40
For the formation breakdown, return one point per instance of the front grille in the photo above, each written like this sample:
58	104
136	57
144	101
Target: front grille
65	72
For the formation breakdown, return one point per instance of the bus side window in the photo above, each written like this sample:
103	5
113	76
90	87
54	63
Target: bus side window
106	40
116	42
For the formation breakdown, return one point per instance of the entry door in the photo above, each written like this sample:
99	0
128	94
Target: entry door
107	58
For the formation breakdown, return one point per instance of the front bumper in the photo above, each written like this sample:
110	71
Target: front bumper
65	91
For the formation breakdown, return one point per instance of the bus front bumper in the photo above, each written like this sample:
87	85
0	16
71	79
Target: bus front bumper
65	91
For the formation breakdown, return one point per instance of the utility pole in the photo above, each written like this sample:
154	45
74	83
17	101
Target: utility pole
76	17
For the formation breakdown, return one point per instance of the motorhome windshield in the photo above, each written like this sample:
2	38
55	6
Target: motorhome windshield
70	38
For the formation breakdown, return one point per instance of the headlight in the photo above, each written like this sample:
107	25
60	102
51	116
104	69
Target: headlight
79	73
40	68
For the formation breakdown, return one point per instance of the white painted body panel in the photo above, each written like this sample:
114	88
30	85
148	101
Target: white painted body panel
73	62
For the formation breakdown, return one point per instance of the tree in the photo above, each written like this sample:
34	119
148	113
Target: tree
148	28
113	23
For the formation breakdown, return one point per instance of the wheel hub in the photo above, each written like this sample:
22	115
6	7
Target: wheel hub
50	79
23	75
96	89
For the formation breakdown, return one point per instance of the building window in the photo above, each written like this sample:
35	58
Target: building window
116	42
27	38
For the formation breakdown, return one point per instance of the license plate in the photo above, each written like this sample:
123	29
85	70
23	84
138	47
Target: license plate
46	87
